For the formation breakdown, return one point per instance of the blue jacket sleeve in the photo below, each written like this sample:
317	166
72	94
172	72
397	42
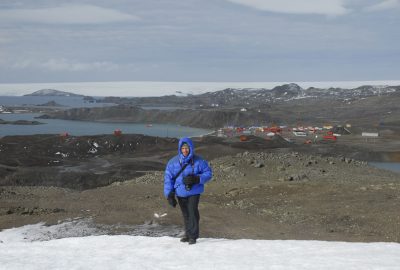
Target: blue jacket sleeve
205	172
168	181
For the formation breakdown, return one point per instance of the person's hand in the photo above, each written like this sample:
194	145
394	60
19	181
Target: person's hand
171	199
191	180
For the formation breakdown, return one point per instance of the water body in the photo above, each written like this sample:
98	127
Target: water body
161	108
68	102
79	128
391	166
73	102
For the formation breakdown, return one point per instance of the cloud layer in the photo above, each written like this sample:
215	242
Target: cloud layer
323	7
67	14
384	5
65	65
198	40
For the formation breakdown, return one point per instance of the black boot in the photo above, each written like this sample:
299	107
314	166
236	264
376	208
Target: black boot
185	239
192	241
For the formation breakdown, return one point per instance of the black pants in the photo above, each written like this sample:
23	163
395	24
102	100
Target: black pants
191	217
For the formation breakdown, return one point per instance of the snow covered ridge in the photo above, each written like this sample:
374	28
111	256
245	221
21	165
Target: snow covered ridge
293	91
141	252
153	89
53	92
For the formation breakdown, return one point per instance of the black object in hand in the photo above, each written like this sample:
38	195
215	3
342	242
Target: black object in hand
171	199
190	180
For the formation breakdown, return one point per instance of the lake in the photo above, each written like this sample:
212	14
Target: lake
391	166
79	128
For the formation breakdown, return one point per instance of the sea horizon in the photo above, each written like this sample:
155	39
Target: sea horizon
158	88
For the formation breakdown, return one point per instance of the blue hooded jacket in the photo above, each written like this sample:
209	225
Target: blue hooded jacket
196	166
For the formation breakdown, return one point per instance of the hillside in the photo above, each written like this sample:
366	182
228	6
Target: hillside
260	189
53	93
363	108
194	118
256	97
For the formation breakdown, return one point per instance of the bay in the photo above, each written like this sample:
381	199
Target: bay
80	128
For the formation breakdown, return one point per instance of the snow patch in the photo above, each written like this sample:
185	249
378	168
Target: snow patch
140	252
82	227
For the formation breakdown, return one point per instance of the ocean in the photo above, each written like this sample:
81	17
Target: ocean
79	128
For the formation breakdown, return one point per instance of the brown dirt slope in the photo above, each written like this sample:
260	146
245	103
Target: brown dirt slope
265	194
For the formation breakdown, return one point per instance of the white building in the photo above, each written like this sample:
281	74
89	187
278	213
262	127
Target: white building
370	134
299	133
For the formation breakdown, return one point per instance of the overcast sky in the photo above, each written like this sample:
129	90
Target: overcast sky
199	40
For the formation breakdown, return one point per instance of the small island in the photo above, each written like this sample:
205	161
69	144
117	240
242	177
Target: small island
20	122
53	92
51	104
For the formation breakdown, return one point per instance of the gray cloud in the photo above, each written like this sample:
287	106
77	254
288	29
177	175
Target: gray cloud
326	7
198	40
384	5
65	65
66	14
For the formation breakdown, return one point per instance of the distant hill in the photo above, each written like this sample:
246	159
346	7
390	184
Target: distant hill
289	104
54	93
259	97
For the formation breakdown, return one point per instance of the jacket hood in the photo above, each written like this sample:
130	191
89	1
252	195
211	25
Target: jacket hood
182	158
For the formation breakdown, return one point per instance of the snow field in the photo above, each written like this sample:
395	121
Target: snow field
140	252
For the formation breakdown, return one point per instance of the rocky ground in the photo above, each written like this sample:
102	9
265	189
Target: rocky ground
261	189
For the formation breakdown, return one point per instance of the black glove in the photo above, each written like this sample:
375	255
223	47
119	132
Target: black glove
191	180
171	199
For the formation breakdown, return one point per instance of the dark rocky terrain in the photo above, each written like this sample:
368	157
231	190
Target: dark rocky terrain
91	161
79	162
190	117
261	189
51	104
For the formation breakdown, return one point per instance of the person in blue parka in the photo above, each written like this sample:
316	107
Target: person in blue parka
185	176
